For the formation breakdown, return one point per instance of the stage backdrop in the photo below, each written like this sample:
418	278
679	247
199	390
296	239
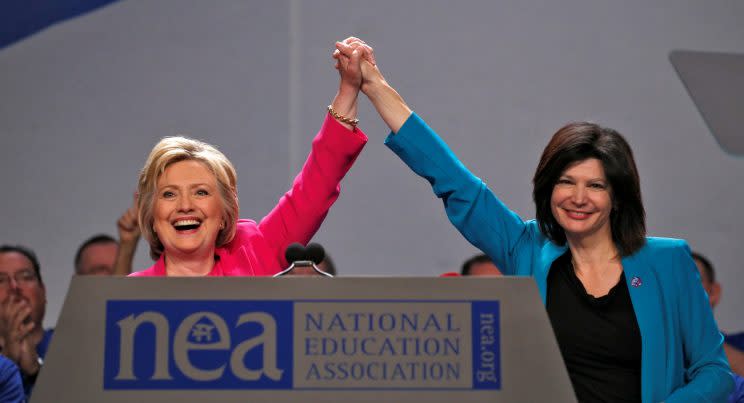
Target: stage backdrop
84	100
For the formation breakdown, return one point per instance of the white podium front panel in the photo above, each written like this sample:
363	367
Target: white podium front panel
303	339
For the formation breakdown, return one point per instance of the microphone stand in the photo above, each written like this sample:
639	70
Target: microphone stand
302	263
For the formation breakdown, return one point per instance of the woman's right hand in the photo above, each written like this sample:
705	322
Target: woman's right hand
345	102
348	64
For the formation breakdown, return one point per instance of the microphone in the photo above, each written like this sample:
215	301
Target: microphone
295	252
315	253
300	256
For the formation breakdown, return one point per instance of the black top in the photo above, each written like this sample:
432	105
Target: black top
598	337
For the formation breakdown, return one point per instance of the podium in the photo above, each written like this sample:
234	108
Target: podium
403	339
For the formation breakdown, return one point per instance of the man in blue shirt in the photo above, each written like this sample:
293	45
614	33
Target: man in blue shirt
11	387
22	307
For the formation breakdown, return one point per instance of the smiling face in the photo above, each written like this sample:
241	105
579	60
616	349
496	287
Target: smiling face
188	211
581	201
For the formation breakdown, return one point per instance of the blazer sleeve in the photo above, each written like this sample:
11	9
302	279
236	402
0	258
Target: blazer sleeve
471	207
303	208
707	371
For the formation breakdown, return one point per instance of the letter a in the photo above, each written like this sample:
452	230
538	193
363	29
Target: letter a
267	339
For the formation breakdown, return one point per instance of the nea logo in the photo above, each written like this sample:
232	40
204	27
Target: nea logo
198	345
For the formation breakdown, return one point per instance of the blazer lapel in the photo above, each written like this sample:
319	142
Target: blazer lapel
548	254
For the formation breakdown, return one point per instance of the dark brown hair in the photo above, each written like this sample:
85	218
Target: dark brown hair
577	142
29	254
707	266
468	264
94	240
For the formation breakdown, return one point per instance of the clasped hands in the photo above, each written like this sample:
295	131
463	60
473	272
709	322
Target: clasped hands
355	61
16	334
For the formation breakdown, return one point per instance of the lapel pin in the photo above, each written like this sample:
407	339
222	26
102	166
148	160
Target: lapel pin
636	281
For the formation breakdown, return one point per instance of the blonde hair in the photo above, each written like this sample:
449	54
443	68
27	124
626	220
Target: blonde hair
175	149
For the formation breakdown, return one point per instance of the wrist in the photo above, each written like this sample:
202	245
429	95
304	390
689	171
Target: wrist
349	89
374	88
32	370
347	121
345	102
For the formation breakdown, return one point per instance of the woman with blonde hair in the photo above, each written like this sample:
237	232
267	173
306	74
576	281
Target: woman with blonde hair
188	203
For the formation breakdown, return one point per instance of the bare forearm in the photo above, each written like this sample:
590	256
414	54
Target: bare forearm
124	258
389	104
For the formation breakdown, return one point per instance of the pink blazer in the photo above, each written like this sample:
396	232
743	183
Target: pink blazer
258	248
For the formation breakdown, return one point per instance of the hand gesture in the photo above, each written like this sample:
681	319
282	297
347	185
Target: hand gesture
349	68
346	53
129	234
389	104
129	231
15	334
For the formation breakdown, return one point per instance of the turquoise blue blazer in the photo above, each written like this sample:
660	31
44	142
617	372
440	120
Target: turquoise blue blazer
682	356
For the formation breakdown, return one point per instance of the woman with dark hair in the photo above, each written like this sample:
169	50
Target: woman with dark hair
629	314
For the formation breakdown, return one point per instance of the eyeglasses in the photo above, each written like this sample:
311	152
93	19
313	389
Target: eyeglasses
22	278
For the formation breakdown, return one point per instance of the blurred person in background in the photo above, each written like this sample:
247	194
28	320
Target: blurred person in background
23	340
480	265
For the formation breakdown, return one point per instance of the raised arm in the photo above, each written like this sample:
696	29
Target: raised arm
470	205
129	235
303	208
